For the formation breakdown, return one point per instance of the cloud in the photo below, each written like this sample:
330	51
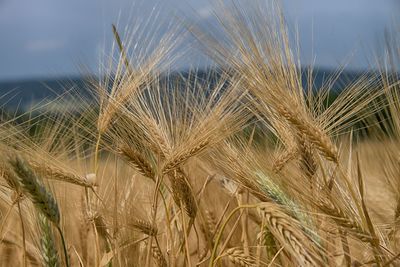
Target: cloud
43	45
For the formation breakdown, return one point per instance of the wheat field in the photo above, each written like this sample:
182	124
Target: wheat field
246	166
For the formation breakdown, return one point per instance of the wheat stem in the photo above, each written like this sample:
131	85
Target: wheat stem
3	224
63	245
154	209
185	236
23	233
219	236
96	152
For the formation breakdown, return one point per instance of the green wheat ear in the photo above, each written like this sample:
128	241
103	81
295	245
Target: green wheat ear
281	198
39	195
37	192
47	242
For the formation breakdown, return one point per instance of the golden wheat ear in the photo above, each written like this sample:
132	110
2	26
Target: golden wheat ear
138	161
145	227
127	79
182	192
158	257
286	231
238	257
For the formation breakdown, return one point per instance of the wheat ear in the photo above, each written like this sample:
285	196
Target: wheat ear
17	195
342	220
158	256
312	133
40	197
11	179
137	161
184	156
52	172
102	230
211	222
47	243
182	192
145	227
161	147
307	158
284	229
283	159
238	257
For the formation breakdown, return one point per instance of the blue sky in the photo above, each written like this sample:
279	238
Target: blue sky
53	37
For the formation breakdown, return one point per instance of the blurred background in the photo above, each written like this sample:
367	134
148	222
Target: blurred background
47	41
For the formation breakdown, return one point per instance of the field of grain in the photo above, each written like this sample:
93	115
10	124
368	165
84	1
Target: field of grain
243	167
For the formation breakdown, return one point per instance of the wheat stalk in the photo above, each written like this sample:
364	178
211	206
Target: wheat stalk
84	229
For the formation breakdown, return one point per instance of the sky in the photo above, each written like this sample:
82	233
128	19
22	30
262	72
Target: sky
55	37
